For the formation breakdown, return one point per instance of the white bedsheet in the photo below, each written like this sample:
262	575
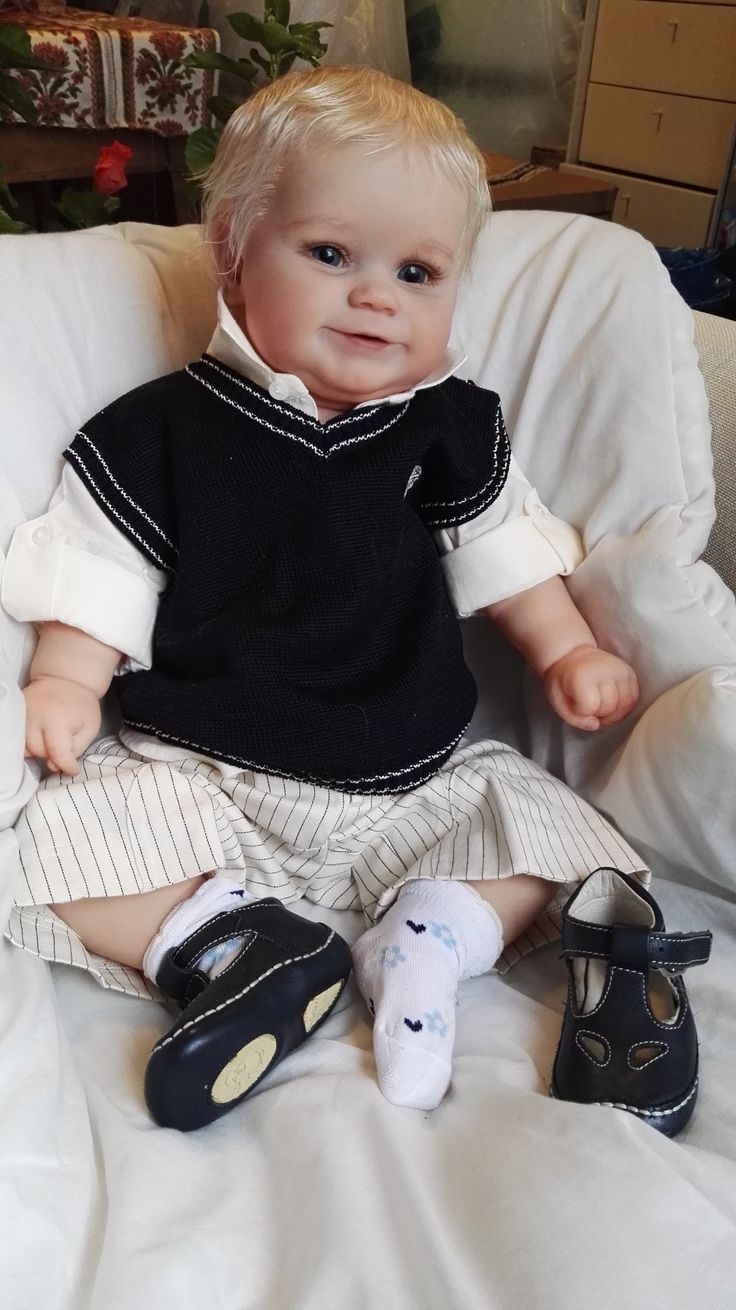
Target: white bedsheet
316	1194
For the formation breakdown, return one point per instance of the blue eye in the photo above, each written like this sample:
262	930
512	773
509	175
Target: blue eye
416	273
329	255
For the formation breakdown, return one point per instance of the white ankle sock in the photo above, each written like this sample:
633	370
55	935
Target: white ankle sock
216	895
408	968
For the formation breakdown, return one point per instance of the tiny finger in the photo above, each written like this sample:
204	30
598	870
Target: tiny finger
35	748
587	723
610	697
60	756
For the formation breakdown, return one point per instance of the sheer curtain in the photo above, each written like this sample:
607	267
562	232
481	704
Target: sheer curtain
506	67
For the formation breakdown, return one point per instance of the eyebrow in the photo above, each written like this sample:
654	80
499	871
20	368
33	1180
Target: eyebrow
312	219
435	245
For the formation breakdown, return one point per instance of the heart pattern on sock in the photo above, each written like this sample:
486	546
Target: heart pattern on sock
416	927
416	1025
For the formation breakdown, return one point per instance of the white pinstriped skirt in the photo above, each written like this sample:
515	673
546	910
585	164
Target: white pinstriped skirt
130	824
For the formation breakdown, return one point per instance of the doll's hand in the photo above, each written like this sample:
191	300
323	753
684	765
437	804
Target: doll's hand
62	718
590	688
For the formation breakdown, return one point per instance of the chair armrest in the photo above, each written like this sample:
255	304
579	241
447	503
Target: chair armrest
715	339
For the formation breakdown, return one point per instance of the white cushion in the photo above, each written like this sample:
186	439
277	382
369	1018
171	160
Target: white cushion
576	324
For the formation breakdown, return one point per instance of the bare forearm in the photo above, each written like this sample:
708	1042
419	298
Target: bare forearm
67	653
542	623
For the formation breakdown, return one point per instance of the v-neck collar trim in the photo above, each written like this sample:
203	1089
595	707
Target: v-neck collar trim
324	439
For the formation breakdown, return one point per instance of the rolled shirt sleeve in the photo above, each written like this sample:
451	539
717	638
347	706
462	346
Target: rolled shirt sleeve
73	566
514	544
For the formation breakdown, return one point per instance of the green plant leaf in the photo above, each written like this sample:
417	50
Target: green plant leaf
308	48
13	41
200	150
262	63
86	208
306	29
6	195
273	36
15	49
222	107
285	64
17	99
247	26
279	10
212	59
10	226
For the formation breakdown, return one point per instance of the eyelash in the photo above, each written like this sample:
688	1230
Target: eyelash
434	274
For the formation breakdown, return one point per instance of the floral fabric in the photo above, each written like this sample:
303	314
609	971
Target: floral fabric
114	72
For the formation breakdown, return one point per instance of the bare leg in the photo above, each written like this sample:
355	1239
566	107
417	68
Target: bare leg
518	901
120	927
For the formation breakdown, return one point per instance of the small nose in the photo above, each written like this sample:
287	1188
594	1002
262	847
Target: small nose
373	291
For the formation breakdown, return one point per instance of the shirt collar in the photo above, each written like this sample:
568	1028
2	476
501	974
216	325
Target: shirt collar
231	346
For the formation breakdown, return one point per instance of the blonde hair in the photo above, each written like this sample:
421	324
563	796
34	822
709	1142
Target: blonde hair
333	106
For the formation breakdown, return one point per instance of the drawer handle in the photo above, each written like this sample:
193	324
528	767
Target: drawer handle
675	27
659	115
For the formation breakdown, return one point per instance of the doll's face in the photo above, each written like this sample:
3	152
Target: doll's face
349	280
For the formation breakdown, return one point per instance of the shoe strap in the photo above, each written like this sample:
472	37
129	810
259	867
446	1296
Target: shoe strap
181	985
178	976
635	946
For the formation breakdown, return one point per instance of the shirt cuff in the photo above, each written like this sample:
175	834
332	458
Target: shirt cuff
511	558
47	579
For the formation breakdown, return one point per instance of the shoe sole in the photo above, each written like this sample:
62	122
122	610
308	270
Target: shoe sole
194	1077
253	1060
669	1120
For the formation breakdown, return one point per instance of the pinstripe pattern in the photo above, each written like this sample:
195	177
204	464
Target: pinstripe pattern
128	824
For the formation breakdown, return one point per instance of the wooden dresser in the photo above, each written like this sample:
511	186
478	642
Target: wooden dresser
655	110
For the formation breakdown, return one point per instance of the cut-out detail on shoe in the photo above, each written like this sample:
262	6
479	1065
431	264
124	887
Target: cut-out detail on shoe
595	1047
662	997
643	1053
251	1061
416	1025
319	1005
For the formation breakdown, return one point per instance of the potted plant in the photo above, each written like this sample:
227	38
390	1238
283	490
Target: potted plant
281	44
15	53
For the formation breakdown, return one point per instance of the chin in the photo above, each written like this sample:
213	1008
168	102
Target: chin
352	391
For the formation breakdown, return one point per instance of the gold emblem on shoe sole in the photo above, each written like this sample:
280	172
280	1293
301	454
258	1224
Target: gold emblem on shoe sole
319	1005
244	1069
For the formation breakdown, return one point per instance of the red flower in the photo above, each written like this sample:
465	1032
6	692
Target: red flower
109	172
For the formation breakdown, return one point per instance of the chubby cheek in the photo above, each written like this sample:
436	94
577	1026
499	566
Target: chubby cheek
430	341
274	329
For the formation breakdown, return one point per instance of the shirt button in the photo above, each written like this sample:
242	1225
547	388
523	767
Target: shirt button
40	535
279	390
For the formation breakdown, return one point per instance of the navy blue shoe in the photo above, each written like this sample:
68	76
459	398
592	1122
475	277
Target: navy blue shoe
628	1035
236	1026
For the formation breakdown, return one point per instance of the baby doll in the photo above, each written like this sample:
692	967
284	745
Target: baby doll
270	548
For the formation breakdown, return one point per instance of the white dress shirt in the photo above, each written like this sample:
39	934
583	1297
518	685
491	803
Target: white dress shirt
74	566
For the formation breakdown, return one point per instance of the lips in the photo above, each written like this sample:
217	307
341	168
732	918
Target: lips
363	340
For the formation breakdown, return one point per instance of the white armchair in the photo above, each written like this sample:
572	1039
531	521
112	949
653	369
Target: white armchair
316	1194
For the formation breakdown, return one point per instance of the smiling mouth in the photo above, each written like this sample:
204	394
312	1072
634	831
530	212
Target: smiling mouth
363	340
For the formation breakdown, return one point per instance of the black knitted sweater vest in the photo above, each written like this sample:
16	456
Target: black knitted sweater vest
306	630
